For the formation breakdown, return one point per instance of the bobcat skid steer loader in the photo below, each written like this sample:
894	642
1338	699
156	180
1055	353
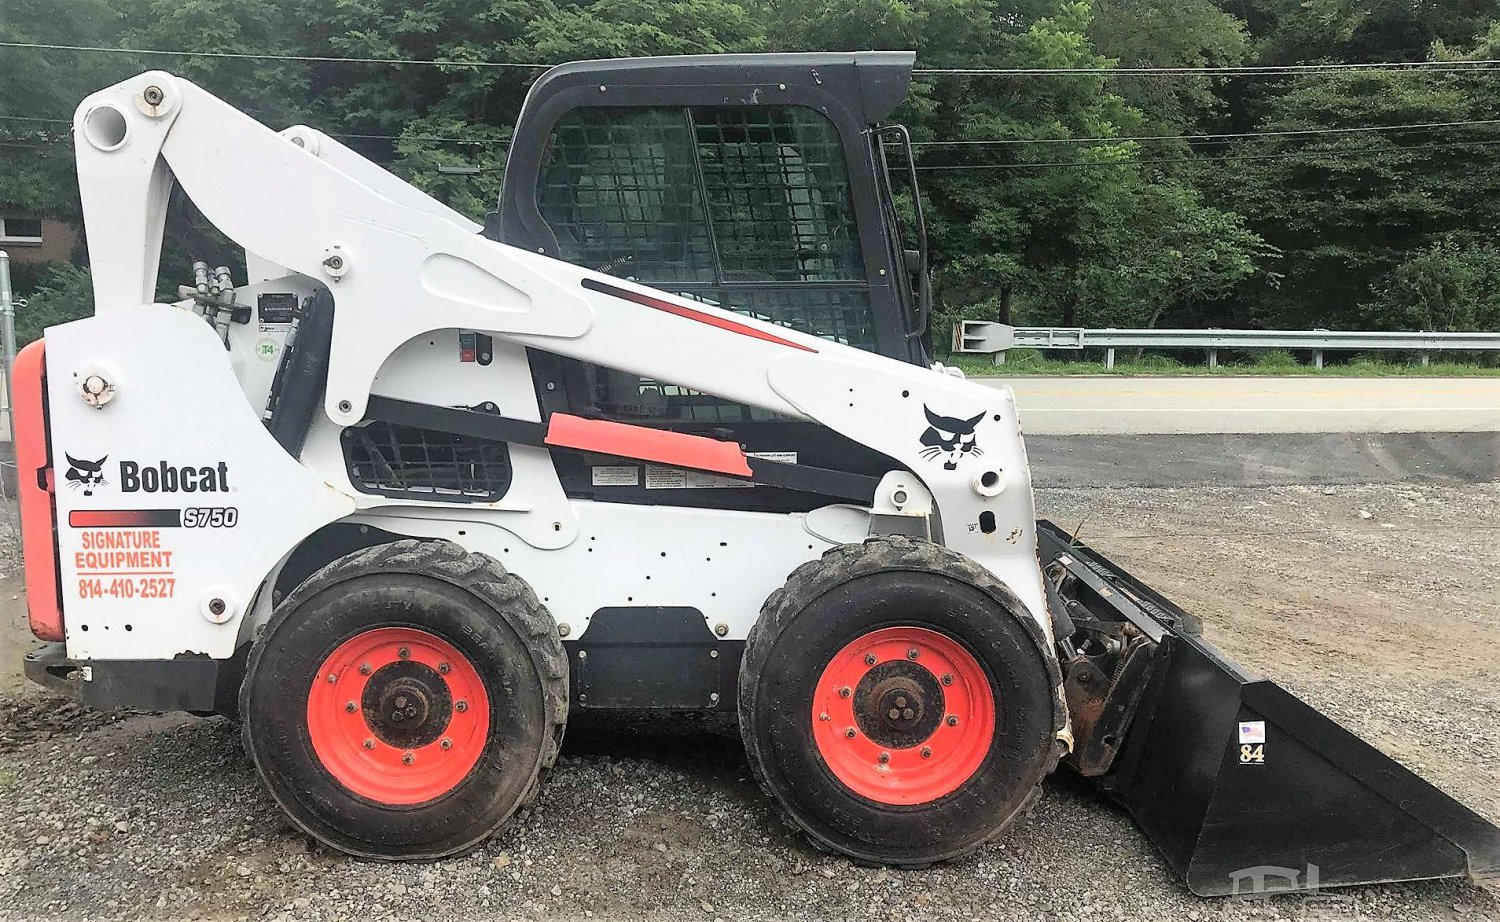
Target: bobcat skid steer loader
662	434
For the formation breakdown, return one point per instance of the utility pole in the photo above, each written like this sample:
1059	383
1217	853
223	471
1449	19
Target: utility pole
8	338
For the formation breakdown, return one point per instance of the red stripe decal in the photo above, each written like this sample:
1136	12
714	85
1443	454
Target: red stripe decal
675	448
722	323
125	518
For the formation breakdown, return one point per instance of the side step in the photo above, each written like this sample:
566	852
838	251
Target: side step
1245	788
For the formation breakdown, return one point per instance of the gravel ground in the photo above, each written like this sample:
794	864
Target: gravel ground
146	816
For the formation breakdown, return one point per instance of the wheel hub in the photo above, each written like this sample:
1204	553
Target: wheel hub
904	715
407	704
898	704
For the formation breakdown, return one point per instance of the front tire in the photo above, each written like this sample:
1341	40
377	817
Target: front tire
406	700
897	702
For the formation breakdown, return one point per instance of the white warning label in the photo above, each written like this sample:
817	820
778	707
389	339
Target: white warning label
616	475
661	477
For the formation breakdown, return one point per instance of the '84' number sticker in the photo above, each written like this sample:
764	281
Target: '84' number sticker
1253	742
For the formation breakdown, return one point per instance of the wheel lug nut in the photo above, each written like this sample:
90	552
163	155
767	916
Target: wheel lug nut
912	653
900	701
885	757
909	714
869	659
408	758
332	678
444	668
364	669
351	707
947	679
411	712
952	720
446	743
400	701
397	715
850	733
405	652
823	716
926	753
369	744
894	713
461	706
845	692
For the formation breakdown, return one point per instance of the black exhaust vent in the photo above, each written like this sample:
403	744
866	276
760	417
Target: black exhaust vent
405	461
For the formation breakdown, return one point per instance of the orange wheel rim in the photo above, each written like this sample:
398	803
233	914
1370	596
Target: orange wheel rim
398	715
903	715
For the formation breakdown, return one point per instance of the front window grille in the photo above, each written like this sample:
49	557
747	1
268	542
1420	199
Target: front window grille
392	460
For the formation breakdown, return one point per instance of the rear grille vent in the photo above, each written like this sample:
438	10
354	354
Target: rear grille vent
404	461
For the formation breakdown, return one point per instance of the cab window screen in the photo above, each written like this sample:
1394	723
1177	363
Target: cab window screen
748	208
702	195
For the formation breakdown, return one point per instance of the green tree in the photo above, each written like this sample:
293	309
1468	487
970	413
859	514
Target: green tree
64	292
1170	33
1452	284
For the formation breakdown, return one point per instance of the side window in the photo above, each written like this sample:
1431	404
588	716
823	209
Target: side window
620	191
745	208
778	195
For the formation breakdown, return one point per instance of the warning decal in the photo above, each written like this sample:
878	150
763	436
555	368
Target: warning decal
616	475
661	477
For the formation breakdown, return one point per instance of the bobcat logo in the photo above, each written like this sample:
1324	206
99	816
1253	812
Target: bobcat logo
85	474
949	438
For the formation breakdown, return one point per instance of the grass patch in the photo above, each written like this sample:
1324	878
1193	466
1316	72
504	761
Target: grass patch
1274	363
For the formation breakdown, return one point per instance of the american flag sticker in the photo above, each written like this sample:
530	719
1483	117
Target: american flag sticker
1252	731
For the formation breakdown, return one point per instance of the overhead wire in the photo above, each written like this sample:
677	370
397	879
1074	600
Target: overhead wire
264	56
1128	71
1205	138
1248	70
1372	151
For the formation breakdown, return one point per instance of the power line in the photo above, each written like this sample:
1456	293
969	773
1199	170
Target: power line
1226	71
1205	137
307	58
331	134
1265	70
1209	160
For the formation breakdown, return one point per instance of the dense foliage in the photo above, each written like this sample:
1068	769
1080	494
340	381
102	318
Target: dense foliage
1279	225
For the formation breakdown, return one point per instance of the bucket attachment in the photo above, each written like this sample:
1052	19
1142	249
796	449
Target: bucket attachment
1244	788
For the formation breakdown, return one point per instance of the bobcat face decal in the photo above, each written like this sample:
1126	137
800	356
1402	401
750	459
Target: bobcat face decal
85	475
949	438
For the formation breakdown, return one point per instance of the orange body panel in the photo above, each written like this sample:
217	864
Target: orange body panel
34	483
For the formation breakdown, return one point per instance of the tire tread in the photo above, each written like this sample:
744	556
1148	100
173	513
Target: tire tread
510	597
840	564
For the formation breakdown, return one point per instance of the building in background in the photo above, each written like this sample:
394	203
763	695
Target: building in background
32	239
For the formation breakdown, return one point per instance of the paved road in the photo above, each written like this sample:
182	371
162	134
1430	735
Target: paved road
1111	405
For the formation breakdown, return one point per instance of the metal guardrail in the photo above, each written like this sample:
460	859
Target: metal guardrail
988	337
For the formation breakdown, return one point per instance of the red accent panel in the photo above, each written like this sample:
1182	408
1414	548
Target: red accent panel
674	448
34	482
722	323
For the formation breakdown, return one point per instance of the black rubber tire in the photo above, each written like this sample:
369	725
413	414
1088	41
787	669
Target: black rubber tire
492	617
885	582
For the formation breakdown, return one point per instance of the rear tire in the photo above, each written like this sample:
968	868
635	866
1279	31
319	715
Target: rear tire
897	702
406	700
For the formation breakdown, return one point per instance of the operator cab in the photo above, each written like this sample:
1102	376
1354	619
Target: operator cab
757	183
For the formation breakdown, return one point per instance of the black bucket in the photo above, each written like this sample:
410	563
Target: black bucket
1248	790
